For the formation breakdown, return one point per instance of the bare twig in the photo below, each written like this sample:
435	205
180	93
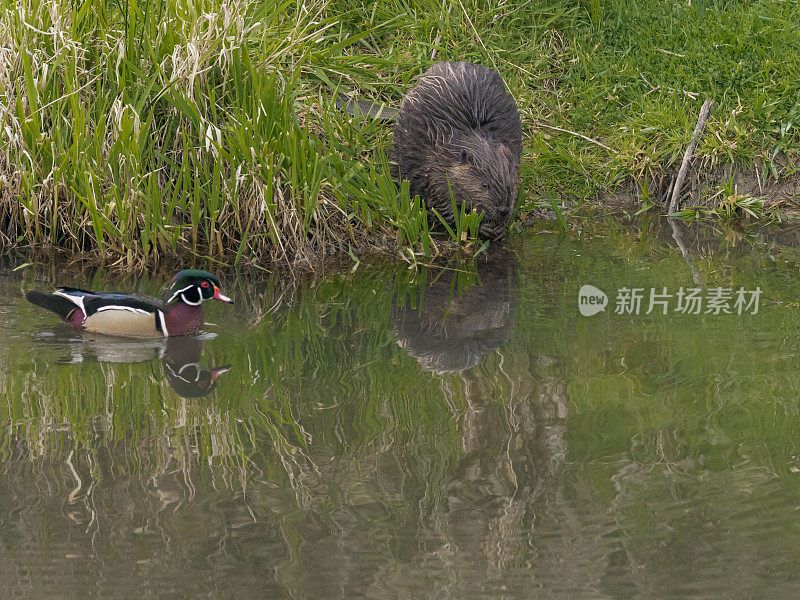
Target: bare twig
477	35
580	135
674	203
438	37
671	53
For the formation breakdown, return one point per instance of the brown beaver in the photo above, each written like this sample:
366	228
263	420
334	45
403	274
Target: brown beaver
459	129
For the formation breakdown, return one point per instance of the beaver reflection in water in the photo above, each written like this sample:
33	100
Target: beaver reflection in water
448	329
458	130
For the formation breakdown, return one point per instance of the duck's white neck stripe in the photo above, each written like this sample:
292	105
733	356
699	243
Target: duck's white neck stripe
76	300
183	297
180	291
195	366
179	373
163	322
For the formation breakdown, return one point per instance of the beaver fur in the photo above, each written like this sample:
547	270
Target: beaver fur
459	130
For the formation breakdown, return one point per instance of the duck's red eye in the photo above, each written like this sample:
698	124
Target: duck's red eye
205	284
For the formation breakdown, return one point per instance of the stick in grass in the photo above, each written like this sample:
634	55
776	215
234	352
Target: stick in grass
674	203
438	37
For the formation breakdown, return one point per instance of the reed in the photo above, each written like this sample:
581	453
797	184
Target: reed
137	130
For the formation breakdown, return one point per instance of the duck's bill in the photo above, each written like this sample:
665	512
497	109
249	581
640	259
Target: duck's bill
218	295
219	371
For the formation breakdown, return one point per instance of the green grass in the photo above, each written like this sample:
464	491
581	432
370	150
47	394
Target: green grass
637	78
135	131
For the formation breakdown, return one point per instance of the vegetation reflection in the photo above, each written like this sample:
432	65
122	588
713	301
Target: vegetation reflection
429	432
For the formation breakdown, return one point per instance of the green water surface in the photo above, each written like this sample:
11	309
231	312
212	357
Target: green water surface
438	433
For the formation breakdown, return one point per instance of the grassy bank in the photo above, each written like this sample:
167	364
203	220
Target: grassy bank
139	130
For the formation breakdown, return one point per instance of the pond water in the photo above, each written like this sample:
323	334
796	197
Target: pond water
438	433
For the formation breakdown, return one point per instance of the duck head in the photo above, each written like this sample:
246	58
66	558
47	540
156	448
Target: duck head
193	287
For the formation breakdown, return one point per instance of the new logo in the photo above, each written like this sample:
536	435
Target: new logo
591	300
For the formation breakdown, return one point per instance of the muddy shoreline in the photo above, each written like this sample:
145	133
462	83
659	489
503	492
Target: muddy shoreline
704	186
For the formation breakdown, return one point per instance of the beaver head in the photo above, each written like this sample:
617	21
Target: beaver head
481	173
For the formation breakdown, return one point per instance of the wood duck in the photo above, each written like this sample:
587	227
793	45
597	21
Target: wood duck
130	315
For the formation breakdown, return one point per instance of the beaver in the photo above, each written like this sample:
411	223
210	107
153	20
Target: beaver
458	129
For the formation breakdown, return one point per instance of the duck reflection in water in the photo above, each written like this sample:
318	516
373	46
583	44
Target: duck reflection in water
459	317
184	371
181	358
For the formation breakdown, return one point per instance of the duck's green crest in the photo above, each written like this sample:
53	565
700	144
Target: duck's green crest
182	278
